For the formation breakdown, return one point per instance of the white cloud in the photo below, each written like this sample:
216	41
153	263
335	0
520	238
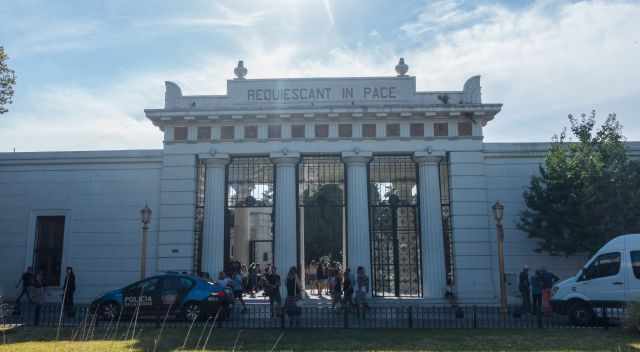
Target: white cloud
542	62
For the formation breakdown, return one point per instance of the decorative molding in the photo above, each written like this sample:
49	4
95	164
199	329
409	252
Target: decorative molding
356	157
214	159
285	158
428	157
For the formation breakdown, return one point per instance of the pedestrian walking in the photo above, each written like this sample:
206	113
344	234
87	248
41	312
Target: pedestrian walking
69	290
525	289
294	294
26	280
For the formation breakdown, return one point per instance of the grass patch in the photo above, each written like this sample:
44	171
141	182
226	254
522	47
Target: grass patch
43	339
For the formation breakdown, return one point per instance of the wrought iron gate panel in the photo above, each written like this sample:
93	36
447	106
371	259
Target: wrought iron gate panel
201	177
249	191
395	240
447	225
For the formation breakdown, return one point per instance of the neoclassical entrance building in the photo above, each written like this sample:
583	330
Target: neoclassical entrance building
365	171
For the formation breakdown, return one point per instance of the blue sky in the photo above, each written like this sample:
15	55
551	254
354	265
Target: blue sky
86	70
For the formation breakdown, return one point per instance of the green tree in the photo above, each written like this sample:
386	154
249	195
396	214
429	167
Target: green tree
588	190
7	81
323	223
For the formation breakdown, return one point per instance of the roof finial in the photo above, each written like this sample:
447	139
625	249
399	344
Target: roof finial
240	70
402	68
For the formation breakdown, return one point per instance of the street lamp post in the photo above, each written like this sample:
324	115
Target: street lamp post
498	213
145	215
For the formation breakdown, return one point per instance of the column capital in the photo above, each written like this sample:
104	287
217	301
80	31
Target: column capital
433	157
356	158
213	160
285	158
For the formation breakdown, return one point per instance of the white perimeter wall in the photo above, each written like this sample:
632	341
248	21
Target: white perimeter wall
509	168
100	193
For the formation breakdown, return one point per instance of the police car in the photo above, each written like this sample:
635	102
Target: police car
184	296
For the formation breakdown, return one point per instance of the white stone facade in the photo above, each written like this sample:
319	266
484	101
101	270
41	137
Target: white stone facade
100	193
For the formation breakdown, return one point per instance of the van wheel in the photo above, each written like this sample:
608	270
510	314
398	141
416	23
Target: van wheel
580	313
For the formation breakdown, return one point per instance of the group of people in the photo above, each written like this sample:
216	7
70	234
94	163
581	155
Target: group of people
341	286
536	290
33	288
344	289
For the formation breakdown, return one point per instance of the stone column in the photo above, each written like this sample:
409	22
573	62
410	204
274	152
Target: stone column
285	237
433	264
358	242
213	232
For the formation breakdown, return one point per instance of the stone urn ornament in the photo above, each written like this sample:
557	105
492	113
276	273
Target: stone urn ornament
402	68
240	70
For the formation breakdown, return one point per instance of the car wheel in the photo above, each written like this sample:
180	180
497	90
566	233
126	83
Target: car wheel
109	311
580	313
192	311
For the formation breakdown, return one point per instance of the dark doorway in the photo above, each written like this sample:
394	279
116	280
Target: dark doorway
47	250
321	207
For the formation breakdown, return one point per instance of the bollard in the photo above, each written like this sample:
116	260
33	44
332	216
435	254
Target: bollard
280	311
36	315
410	316
346	317
605	318
475	317
539	316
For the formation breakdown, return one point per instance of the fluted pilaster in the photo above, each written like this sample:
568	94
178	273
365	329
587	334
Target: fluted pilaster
285	239
358	243
213	232
433	256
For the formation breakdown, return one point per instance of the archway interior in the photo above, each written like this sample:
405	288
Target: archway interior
249	214
321	218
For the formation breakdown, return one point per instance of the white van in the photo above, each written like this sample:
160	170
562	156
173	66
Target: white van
611	277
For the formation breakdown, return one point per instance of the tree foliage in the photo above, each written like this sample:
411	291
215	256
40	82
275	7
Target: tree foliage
7	81
588	190
323	223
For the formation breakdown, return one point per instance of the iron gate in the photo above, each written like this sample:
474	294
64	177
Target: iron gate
393	220
248	202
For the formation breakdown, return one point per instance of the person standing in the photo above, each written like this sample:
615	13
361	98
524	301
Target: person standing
536	291
38	295
294	294
272	289
362	290
336	287
236	284
223	280
321	278
347	287
27	282
548	279
253	281
69	290
525	289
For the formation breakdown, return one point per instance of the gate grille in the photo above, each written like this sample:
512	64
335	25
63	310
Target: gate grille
395	241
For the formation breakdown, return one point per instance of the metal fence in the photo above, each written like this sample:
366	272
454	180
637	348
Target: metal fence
260	316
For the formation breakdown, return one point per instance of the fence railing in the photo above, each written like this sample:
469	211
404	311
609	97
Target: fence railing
318	316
